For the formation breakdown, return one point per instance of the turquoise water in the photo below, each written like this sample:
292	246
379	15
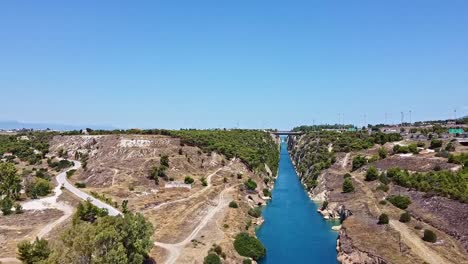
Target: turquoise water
293	231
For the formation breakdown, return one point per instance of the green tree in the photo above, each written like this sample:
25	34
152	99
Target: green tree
31	253
233	204
372	174
348	185
10	182
249	246
383	219
212	258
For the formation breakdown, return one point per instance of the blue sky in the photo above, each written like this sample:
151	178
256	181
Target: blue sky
174	64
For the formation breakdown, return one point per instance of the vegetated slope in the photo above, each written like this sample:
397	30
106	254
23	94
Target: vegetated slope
254	147
28	147
315	151
362	239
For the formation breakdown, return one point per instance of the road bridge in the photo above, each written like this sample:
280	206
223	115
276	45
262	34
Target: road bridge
287	133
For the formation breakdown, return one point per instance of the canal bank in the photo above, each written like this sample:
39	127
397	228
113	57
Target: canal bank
293	232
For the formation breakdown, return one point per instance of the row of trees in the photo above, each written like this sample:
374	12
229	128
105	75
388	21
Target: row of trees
30	150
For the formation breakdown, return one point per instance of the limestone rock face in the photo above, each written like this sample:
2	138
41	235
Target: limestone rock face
348	254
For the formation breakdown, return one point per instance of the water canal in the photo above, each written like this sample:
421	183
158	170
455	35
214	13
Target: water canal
293	231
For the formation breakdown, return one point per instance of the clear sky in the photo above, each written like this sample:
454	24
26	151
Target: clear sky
173	64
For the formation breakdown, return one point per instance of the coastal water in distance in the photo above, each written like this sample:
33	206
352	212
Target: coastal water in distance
293	231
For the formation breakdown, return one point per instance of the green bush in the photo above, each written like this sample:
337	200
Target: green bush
164	161
35	252
358	162
250	184
347	175
255	212
436	143
383	219
70	173
80	185
405	217
247	261
429	236
372	174
382	153
38	187
348	185
383	187
212	258
399	201
266	192
233	204
5	205
324	205
249	246
188	180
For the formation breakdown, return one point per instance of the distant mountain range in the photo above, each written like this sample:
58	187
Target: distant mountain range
19	125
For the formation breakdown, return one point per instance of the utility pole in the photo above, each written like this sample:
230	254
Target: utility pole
402	118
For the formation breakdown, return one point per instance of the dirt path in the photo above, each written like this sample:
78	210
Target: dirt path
209	185
176	249
10	260
416	244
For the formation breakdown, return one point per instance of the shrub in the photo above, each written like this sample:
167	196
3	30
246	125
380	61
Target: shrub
383	219
250	184
383	187
405	217
266	192
35	252
429	236
358	162
435	143
450	147
399	201
80	185
372	174
203	181
239	176
233	204
382	202
247	261
249	246
18	208
70	173
348	186
347	175
255	212
382	153
324	205
188	180
38	187
5	205
165	161
212	258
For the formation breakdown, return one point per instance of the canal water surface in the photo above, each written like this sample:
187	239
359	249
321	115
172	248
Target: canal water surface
293	231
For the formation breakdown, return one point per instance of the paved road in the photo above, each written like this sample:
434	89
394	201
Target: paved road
62	181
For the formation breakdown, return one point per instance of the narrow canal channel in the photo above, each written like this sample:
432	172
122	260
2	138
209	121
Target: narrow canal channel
293	231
